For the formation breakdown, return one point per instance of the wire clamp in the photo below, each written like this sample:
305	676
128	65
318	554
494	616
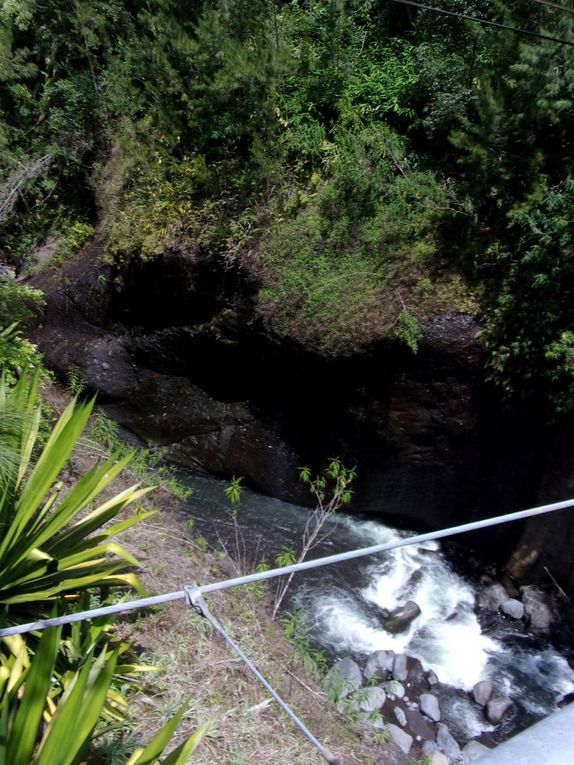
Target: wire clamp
195	599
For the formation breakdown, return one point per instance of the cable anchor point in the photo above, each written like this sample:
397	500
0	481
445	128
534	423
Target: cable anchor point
195	599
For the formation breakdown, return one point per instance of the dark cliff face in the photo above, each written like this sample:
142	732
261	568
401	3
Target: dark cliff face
177	356
545	548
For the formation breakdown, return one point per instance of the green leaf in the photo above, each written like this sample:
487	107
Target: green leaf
24	731
179	756
70	728
154	749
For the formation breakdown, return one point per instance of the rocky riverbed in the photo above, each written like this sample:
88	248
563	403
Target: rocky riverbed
393	692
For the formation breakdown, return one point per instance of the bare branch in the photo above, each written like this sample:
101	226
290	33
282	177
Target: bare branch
14	184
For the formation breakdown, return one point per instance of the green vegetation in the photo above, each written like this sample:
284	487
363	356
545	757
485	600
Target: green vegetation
331	490
530	323
342	259
313	659
52	723
58	694
364	165
71	241
233	490
17	353
146	465
44	551
20	306
382	737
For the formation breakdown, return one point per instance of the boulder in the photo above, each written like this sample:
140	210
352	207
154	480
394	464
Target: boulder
538	609
400	668
447	744
472	751
401	739
513	608
429	706
400	716
395	690
432	678
343	678
380	664
564	699
438	758
369	699
482	692
419	725
416	679
492	596
429	747
497	708
401	618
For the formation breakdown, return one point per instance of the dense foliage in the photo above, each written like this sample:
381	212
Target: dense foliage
365	163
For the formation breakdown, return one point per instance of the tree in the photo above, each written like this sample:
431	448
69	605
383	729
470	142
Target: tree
530	327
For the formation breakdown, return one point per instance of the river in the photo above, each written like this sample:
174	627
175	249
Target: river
341	604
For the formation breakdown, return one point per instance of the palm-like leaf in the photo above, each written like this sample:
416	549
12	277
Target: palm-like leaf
55	543
38	730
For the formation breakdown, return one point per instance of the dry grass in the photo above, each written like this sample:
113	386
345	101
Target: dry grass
247	726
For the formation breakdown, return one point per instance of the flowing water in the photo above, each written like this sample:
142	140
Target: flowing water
343	605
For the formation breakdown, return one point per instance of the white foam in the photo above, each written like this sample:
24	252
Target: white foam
446	637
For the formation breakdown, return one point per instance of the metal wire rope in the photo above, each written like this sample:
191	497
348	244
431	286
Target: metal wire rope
195	599
555	5
486	22
193	594
282	571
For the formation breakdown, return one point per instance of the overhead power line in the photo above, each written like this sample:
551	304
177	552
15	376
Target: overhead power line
555	5
486	22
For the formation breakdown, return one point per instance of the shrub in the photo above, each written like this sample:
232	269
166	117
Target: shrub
342	268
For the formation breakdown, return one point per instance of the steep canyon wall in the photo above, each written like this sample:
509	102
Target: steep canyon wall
177	355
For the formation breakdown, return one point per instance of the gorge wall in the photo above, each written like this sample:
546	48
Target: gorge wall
177	355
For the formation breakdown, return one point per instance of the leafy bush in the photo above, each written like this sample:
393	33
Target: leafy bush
71	241
529	332
19	303
336	270
17	354
20	306
383	85
313	659
160	203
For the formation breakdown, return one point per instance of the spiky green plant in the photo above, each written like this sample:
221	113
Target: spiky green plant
56	542
46	723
